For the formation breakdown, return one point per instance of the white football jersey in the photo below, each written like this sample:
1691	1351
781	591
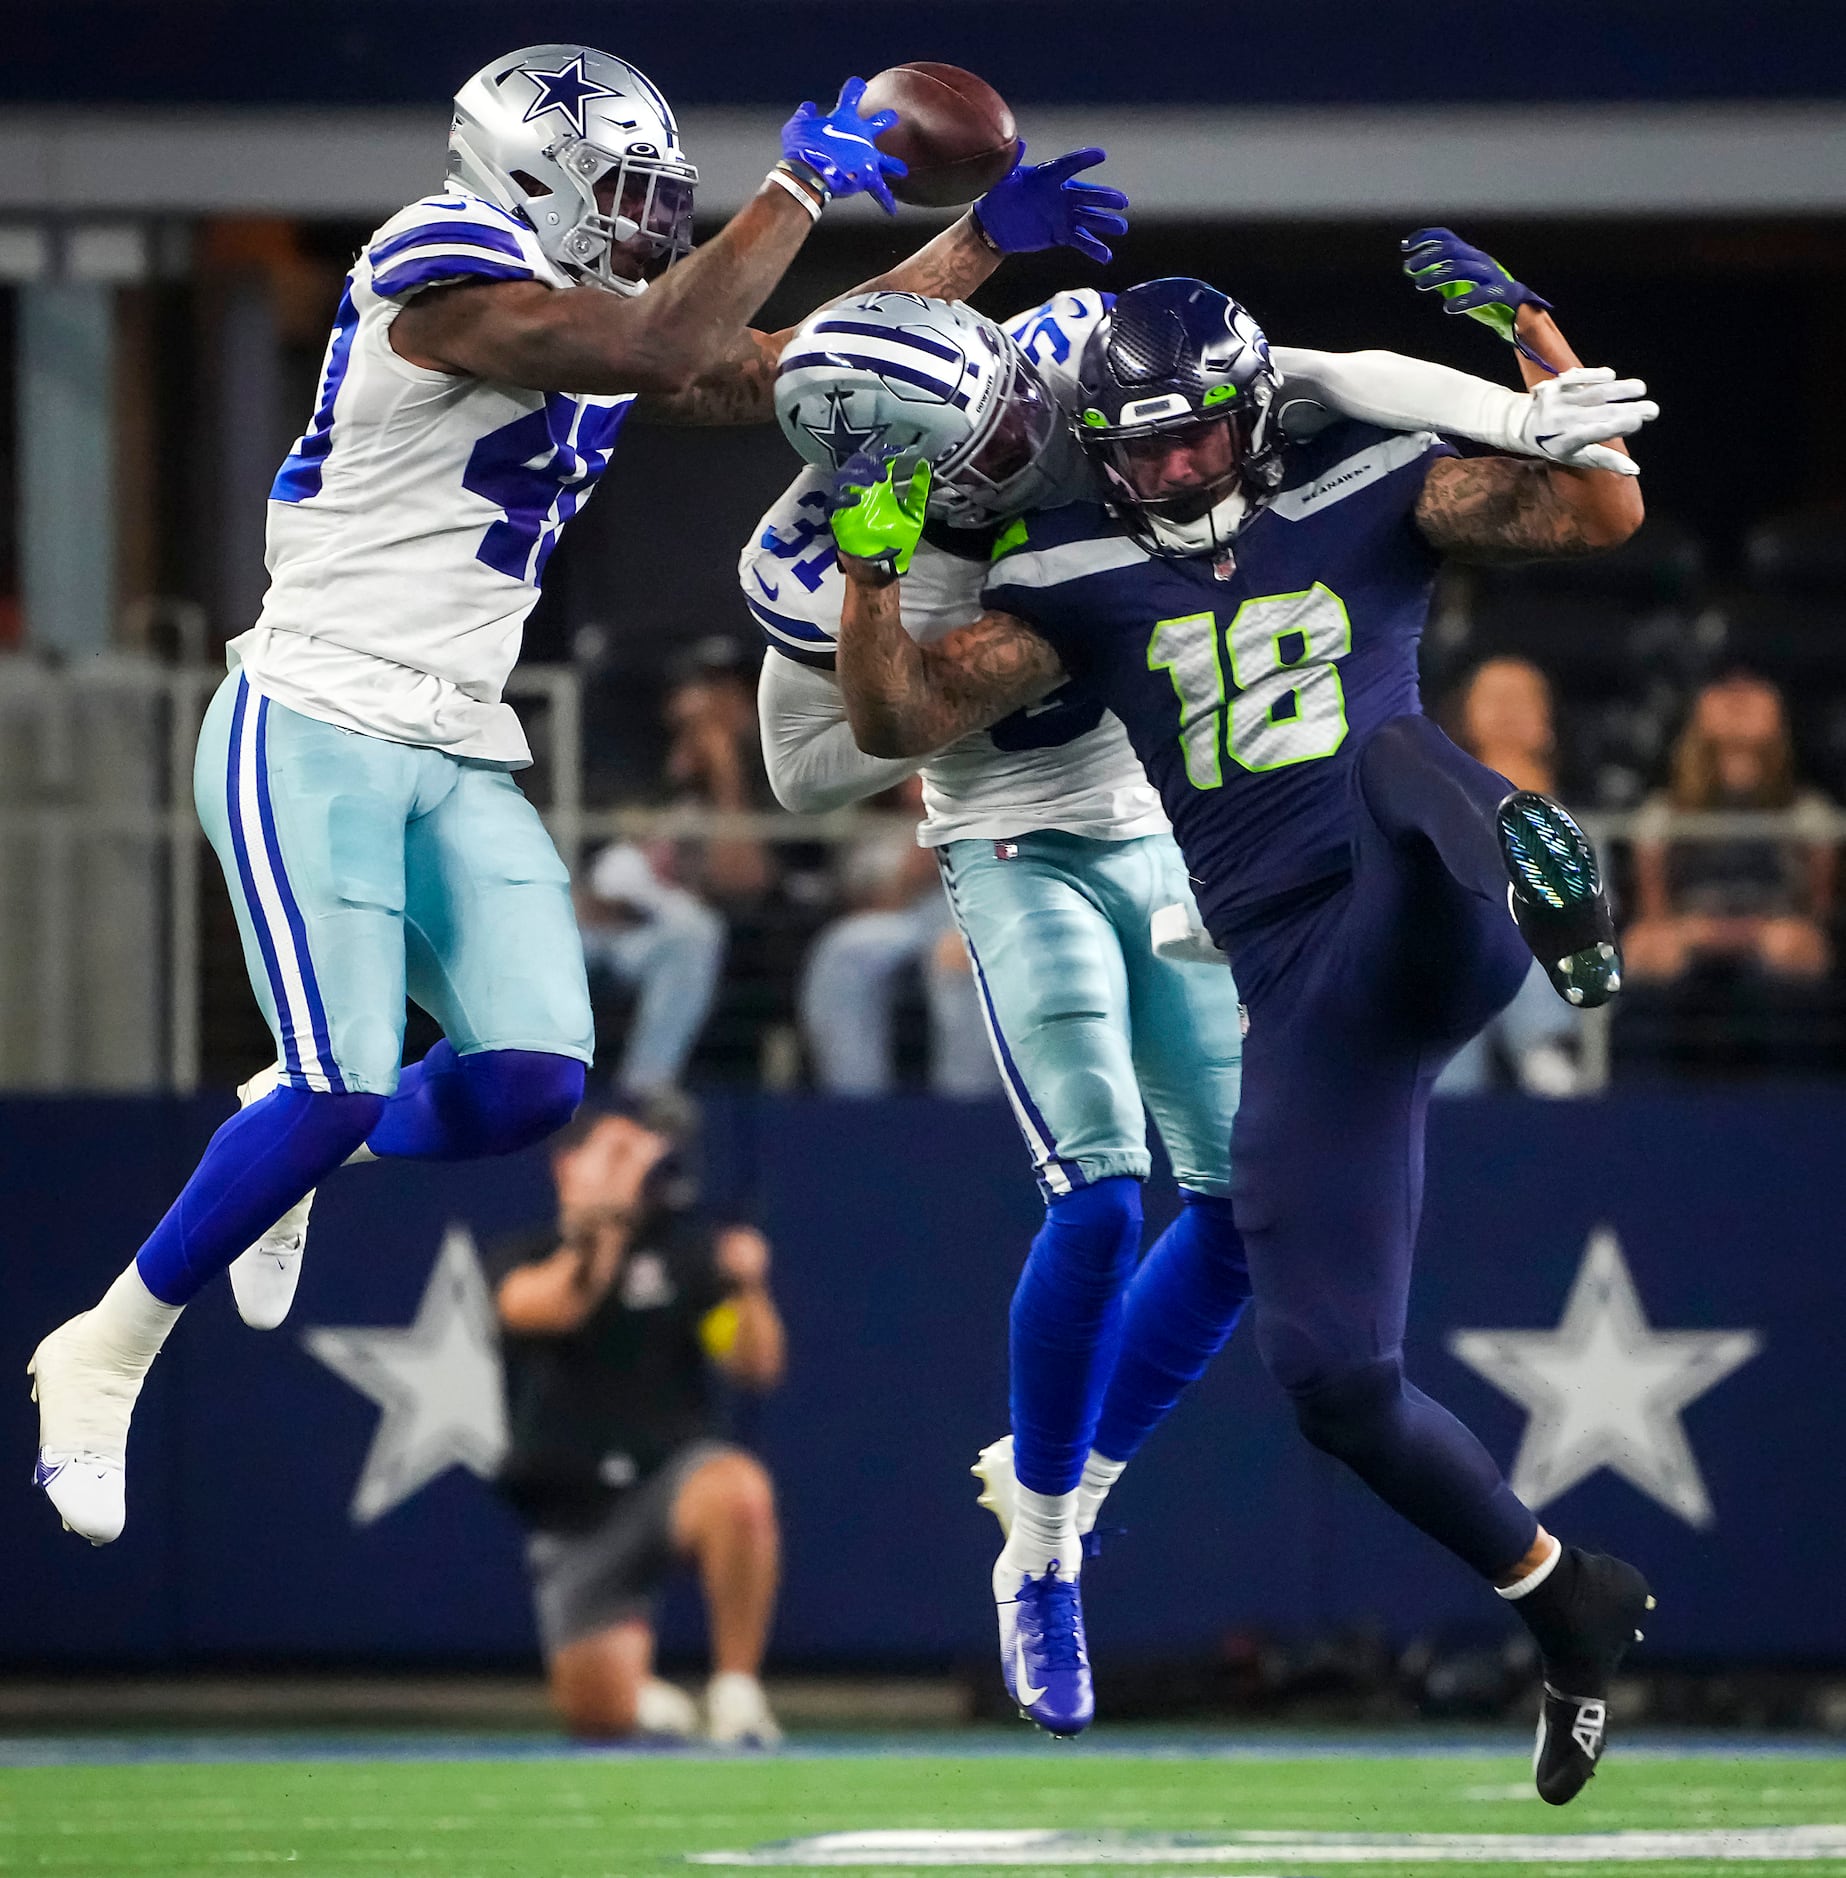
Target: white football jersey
1062	763
410	526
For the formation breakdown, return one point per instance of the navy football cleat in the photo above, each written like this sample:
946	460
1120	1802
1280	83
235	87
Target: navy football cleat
1557	898
1043	1655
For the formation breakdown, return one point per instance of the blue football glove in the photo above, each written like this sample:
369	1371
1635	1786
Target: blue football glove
1039	205
837	146
1439	261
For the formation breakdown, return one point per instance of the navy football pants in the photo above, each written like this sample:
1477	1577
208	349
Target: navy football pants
1357	997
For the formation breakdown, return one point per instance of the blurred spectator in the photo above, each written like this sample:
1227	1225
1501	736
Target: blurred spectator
665	946
850	984
715	759
615	1321
1505	717
1761	901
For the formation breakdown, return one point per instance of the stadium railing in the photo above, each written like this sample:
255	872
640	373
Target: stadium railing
103	867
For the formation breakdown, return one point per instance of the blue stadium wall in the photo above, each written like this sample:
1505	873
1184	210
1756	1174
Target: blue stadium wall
898	1228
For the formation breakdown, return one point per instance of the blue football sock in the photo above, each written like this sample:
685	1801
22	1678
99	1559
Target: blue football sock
1066	1323
1182	1305
256	1167
453	1108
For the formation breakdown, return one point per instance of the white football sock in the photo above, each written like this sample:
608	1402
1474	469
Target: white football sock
1044	1528
1537	1575
130	1323
1099	1475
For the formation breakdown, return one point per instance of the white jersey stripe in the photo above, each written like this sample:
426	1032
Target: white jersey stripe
1074	560
298	1016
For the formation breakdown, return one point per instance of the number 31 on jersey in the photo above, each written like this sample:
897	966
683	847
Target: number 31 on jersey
1279	702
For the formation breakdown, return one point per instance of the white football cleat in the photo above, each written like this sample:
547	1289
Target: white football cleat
665	1712
263	1279
85	1402
737	1713
1000	1490
999	1484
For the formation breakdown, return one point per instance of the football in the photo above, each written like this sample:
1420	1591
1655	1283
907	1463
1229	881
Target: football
953	129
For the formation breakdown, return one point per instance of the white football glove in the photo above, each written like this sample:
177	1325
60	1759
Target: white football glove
1573	416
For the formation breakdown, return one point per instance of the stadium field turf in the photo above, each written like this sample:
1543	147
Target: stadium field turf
1177	1807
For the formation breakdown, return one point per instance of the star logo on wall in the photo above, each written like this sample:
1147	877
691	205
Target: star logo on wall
838	435
438	1383
1604	1389
565	91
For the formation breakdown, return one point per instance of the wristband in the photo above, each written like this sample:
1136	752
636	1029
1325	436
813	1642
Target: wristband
784	178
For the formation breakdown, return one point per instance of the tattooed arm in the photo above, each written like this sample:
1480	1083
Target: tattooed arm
904	699
585	340
740	387
1495	508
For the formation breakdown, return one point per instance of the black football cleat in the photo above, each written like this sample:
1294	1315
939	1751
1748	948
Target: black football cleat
1558	900
1594	1621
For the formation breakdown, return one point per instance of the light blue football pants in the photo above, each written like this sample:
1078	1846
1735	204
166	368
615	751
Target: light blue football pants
1086	1022
362	871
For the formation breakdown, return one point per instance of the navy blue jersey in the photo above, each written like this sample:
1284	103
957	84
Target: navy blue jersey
1247	692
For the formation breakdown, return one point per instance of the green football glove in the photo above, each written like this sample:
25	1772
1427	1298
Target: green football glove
876	504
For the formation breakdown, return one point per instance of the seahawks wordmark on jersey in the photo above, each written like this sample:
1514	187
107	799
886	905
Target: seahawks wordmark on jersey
1247	690
410	526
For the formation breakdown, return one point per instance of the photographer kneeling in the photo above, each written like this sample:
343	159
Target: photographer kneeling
617	1326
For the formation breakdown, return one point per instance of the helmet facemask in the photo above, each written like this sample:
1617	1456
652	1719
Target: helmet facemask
638	205
1190	482
1011	460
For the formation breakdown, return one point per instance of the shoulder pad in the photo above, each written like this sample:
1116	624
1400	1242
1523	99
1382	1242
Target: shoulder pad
1054	332
451	237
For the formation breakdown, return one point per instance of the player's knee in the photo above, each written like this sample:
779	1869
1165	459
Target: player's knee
1086	1246
1098	1219
1348	1412
525	1095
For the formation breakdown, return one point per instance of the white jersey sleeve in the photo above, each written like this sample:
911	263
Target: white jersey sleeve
410	526
1063	763
1400	393
814	766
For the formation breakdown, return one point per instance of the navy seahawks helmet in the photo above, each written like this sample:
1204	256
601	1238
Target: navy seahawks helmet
1179	415
900	371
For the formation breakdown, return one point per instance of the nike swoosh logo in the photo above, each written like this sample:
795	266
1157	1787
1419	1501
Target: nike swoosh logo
845	136
1027	1694
761	582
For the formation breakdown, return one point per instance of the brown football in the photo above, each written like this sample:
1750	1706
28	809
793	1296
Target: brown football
953	129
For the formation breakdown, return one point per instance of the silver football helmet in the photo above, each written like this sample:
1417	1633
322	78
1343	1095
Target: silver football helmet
899	370
584	148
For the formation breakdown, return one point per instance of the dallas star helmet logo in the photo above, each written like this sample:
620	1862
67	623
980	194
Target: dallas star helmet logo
839	436
565	91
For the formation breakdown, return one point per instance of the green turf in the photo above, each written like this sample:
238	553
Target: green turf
638	1817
